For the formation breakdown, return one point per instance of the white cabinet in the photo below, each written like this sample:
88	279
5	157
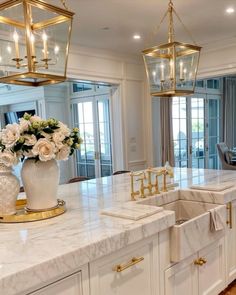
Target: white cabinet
212	273
231	243
200	274
117	274
73	284
182	278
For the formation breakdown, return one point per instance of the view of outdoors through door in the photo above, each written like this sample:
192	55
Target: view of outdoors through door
198	144
92	117
196	130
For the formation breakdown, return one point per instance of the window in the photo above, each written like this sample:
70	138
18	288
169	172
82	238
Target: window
196	129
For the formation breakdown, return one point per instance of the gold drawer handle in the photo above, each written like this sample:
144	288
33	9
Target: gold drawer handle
200	261
229	209
133	261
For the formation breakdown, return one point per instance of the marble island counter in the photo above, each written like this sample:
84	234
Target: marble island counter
36	254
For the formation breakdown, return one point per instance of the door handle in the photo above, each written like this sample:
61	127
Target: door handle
190	149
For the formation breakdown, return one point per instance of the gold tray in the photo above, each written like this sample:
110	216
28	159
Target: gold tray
24	215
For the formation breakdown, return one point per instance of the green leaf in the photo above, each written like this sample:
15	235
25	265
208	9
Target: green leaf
48	130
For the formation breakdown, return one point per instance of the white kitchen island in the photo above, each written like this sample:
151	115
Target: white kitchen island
79	251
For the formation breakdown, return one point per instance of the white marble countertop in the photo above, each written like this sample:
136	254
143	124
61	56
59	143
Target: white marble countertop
33	253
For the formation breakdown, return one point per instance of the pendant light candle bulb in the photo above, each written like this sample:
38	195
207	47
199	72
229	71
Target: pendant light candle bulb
45	45
56	49
9	49
16	40
32	39
181	77
162	73
171	70
185	72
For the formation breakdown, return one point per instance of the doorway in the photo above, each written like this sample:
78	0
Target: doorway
92	115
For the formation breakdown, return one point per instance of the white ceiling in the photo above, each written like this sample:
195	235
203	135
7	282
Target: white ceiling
206	19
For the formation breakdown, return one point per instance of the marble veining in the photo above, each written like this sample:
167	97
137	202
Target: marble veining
35	253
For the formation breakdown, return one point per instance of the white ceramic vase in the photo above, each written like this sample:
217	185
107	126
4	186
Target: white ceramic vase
40	180
9	190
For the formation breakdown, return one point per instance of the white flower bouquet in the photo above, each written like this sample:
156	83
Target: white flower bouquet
38	139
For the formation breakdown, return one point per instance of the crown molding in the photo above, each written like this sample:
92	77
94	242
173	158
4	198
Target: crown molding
217	45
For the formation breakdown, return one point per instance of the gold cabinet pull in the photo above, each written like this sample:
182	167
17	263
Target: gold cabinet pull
229	209
133	261
200	261
203	260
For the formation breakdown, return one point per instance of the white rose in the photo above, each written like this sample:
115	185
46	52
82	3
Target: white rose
58	138
8	158
63	153
35	119
24	124
10	135
30	139
63	129
44	149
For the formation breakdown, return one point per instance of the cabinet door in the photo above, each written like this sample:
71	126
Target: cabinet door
231	244
71	285
212	273
139	279
182	278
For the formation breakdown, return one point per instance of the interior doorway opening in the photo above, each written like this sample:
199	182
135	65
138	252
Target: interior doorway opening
92	114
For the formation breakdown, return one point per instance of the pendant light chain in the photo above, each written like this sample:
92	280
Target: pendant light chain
185	28
157	29
171	24
171	30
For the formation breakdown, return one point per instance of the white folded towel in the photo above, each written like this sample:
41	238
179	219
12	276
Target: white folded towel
216	219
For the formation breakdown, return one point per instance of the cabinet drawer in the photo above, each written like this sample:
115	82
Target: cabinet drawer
71	285
117	274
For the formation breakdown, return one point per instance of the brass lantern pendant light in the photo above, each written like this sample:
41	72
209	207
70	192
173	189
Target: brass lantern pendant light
34	42
171	68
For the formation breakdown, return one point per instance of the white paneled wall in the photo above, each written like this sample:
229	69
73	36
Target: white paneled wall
128	73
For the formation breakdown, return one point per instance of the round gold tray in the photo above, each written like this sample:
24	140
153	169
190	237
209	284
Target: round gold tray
24	215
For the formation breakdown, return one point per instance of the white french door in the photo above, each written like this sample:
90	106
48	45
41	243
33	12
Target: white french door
196	130
91	115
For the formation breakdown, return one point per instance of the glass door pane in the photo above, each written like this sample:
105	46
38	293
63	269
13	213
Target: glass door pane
198	132
105	146
213	131
92	117
85	122
179	107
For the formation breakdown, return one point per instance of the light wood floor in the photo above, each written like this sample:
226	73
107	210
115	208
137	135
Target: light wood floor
231	290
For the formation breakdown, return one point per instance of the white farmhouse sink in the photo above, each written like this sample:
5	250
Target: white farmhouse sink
192	229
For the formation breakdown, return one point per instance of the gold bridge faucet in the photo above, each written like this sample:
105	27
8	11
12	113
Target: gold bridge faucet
147	175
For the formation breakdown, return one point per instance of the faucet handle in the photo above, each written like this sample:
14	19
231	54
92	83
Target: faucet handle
141	179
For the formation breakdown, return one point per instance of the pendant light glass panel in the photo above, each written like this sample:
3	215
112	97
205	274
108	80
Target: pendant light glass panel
34	42
171	68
